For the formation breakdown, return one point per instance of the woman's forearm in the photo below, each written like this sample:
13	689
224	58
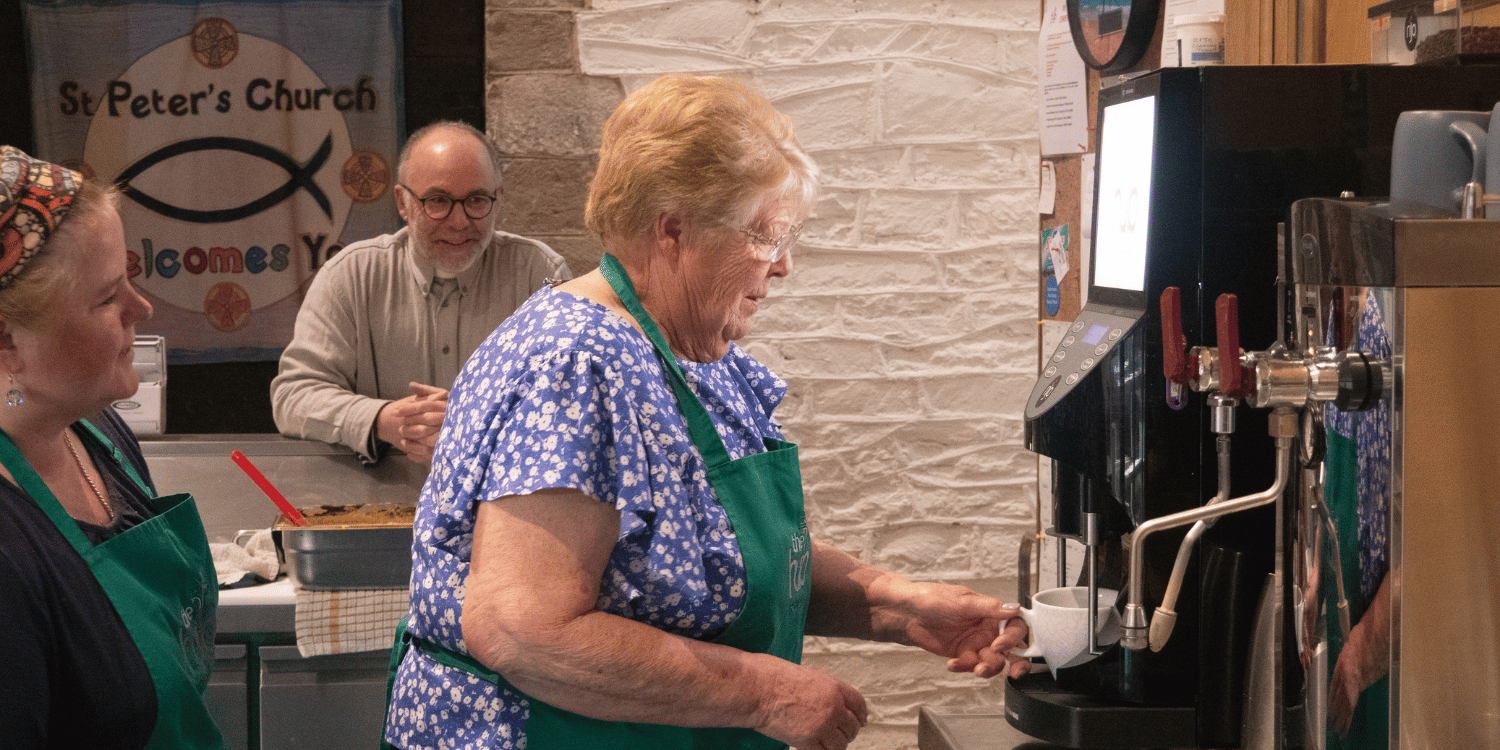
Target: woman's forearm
856	600
607	667
851	599
529	614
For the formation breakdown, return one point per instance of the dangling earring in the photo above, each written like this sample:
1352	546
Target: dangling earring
14	397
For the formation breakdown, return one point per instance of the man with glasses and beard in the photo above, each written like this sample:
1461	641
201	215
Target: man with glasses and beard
388	322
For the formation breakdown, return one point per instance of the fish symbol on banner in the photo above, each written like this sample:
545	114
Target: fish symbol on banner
300	178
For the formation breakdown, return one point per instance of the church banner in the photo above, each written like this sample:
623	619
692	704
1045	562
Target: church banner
250	140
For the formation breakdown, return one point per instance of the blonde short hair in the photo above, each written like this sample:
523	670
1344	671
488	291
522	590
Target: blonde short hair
48	277
709	148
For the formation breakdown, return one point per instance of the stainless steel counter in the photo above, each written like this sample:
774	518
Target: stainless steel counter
265	695
937	730
267	608
944	731
308	472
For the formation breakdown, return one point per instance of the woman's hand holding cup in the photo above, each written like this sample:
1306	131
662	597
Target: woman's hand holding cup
1058	621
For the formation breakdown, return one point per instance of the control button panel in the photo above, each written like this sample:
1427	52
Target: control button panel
1088	340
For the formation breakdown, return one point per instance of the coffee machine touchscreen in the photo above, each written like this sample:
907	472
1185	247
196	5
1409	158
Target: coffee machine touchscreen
1122	224
1127	135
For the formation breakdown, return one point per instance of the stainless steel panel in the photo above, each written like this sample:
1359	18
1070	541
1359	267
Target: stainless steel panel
1448	554
324	702
1354	243
1447	252
228	695
1439	304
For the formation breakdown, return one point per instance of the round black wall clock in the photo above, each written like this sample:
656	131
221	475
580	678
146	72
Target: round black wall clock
1112	34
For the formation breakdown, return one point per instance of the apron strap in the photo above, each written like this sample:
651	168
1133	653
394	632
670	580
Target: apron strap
27	478
700	425
448	657
114	452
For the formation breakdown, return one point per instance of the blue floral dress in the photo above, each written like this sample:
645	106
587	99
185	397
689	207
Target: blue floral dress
1370	433
568	394
1358	495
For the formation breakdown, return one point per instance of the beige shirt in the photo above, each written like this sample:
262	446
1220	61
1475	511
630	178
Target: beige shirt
375	319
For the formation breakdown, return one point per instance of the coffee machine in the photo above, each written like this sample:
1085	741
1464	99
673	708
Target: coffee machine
1179	499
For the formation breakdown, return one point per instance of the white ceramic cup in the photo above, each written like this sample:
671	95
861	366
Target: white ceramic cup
1059	624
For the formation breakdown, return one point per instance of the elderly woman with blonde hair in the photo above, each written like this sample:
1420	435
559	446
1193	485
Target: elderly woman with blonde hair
611	549
108	592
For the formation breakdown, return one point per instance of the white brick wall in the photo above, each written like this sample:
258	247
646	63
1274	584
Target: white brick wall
908	326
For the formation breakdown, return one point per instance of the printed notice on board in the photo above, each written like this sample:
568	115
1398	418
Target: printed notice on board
1065	111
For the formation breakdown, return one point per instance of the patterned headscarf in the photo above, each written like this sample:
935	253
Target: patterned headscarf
34	196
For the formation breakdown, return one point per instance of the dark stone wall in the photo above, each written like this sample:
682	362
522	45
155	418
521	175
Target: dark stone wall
546	115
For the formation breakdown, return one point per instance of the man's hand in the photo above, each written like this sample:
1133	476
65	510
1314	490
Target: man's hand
412	423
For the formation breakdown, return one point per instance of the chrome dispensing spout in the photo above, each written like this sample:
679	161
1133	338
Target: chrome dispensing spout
1222	372
1165	619
1273	379
1135	625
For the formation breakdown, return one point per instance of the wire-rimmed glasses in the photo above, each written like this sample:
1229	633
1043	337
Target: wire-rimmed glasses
770	249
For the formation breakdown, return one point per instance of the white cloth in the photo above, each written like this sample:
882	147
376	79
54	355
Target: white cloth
257	557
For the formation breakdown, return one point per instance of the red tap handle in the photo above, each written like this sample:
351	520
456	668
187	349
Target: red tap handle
1232	380
1176	361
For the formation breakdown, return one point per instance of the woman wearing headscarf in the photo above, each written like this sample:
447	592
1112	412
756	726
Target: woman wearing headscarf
611	549
108	592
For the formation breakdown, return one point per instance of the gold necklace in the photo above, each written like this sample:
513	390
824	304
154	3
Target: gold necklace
109	507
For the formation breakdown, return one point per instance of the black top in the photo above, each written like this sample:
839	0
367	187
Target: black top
71	676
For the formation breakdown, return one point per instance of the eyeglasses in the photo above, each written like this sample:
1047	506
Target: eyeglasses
439	207
770	249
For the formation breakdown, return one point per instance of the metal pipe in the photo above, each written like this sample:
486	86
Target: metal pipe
1283	423
1165	618
1091	540
1221	446
1473	205
1061	574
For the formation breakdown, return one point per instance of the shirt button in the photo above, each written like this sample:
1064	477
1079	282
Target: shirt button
445	349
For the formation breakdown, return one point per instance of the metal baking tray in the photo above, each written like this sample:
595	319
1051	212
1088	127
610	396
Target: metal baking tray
354	556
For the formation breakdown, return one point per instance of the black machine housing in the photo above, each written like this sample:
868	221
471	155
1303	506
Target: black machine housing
1233	147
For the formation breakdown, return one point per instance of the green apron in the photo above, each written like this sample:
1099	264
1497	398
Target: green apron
159	575
1369	728
762	495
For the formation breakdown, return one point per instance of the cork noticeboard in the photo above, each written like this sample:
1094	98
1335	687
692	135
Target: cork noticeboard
1068	204
1066	216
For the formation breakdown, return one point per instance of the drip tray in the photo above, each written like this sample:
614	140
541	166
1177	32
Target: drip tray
1035	705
